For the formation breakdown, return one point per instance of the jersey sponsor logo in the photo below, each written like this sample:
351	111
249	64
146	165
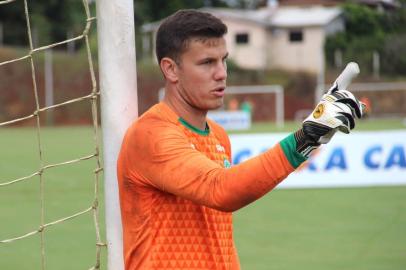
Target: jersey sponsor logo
220	148
226	163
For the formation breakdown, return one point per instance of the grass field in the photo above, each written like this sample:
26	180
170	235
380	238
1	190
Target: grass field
356	229
363	228
68	190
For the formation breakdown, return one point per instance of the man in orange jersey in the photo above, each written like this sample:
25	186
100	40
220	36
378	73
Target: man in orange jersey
177	187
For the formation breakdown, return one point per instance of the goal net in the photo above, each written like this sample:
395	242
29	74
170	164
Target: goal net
49	177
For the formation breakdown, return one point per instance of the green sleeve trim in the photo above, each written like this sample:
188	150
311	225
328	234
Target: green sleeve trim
195	129
289	148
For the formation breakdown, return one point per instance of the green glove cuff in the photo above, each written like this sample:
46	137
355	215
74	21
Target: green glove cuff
289	147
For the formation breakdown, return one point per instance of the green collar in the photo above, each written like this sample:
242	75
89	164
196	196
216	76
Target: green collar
204	132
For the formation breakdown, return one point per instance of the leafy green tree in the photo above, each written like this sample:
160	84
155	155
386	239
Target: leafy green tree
394	55
154	10
12	19
368	30
50	20
361	21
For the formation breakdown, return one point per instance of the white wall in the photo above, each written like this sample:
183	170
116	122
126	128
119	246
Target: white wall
252	55
295	56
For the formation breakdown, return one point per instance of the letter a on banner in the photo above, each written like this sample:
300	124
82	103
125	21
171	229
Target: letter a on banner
337	159
396	157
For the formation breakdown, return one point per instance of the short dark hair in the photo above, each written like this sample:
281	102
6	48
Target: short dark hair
177	30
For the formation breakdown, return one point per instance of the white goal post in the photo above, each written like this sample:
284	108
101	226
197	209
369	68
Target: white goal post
119	107
264	89
368	88
256	89
364	87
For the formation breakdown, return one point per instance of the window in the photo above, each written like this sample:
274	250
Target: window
296	36
242	38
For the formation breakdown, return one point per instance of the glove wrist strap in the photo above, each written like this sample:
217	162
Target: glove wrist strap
304	144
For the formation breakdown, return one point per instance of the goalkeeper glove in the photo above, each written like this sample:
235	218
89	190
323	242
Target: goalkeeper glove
336	111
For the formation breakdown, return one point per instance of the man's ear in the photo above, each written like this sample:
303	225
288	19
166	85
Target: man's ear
169	69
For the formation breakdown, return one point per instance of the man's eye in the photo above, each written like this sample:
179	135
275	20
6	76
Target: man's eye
207	62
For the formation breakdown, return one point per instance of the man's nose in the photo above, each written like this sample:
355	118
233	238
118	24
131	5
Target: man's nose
221	72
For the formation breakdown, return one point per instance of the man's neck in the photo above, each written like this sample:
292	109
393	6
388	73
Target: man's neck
194	117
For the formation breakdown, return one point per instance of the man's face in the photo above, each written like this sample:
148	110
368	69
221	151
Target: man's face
202	73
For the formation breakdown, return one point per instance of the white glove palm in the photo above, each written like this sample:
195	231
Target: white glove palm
337	110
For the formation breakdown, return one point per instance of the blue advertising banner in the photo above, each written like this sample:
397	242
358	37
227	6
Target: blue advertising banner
231	120
358	159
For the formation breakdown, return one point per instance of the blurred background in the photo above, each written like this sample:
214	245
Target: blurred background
300	45
297	47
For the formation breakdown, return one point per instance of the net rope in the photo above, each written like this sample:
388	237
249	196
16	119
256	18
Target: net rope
93	97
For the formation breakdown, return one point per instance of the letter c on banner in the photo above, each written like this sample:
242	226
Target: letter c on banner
368	157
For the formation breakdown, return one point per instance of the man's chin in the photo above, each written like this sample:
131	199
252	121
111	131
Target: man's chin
215	107
211	106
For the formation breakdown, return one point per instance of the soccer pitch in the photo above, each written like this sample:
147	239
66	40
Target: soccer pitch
361	228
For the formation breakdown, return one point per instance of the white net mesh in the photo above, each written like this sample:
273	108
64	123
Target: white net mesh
44	166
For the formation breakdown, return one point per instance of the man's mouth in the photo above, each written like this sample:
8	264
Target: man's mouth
219	91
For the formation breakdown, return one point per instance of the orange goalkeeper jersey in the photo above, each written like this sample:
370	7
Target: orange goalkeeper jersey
177	191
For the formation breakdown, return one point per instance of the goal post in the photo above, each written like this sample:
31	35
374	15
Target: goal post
118	85
265	89
386	98
275	89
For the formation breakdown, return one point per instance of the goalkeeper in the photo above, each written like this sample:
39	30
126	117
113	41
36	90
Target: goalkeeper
177	187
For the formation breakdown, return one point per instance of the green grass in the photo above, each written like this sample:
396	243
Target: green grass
363	228
352	229
68	190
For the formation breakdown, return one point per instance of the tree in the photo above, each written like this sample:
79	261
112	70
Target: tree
147	11
50	20
368	30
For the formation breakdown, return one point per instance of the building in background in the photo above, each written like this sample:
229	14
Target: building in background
275	37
